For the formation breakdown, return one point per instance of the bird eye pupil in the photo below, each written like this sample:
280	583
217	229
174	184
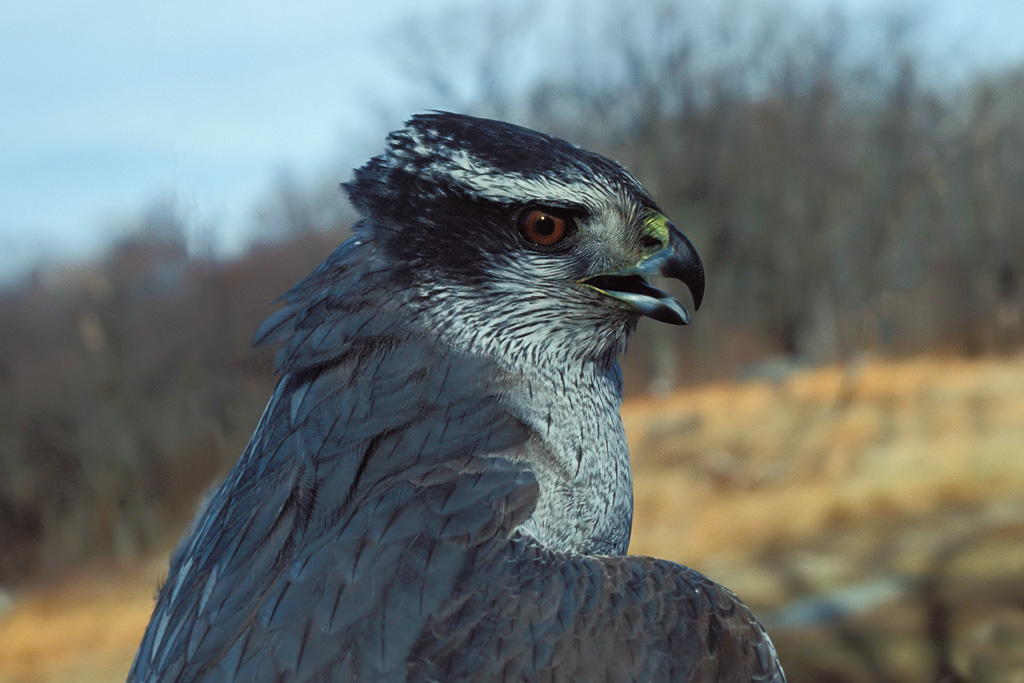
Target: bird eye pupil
545	226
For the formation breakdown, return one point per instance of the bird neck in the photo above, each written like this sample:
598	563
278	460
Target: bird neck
580	457
353	330
563	381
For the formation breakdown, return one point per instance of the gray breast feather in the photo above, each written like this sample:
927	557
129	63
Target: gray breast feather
427	581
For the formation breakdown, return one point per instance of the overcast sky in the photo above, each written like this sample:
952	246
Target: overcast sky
105	105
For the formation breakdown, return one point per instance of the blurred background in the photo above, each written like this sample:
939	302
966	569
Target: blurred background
838	437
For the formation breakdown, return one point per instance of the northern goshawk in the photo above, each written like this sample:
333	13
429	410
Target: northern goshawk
439	488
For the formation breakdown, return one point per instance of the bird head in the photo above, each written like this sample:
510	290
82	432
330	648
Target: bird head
521	232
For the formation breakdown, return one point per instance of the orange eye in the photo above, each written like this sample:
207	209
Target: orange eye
542	228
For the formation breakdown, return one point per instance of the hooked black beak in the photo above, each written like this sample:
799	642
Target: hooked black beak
678	260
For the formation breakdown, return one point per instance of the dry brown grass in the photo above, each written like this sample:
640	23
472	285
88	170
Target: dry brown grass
825	478
81	629
734	470
843	477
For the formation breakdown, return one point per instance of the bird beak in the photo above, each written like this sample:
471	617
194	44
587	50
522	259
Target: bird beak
677	259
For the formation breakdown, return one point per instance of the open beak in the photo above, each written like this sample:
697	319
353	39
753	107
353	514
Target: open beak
677	260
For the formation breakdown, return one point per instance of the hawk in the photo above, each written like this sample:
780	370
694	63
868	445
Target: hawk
439	488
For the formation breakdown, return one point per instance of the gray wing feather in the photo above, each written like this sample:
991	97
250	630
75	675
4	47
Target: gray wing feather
524	612
427	581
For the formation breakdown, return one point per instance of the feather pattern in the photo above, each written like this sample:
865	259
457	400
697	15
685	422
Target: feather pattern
438	489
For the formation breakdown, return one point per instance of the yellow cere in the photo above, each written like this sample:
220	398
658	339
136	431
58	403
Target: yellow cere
656	225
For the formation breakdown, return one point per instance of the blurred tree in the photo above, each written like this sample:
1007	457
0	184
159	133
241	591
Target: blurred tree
842	206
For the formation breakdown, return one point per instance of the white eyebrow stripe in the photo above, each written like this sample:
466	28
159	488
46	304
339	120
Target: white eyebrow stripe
500	185
455	164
